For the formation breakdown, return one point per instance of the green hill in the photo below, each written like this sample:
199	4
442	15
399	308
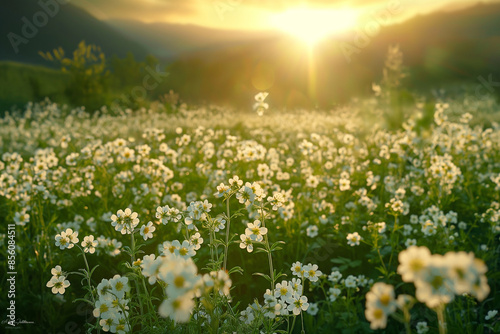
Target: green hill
22	83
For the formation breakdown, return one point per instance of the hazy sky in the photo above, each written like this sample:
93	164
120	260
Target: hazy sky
250	14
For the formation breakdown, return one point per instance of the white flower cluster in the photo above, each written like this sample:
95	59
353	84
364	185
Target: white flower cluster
183	283
112	305
58	283
438	278
125	221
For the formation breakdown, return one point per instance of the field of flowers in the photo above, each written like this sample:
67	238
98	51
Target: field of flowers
190	220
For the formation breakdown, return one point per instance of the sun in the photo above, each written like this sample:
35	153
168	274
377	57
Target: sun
313	25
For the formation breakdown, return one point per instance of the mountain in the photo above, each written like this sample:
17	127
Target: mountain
28	27
438	48
169	41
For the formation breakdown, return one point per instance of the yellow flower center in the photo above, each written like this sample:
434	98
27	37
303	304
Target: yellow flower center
385	299
437	282
378	313
416	265
179	281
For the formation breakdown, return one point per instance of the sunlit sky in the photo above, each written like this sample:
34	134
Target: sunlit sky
261	14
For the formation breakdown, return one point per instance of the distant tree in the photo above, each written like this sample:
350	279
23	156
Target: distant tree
89	82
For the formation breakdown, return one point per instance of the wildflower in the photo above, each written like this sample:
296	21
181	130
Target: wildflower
353	239
125	221
255	232
56	271
311	271
422	327
58	284
334	277
196	240
260	106
434	286
21	218
283	291
185	250
412	262
222	189
235	182
297	269
67	239
296	285
277	200
104	309
245	195
178	309
381	296
298	304
147	230
313	309
410	242
350	281
344	184
491	314
312	231
119	286
247	316
246	242
333	294
89	244
151	267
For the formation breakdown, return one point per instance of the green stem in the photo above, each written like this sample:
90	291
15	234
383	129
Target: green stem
293	323
441	319
268	248
88	281
226	246
132	257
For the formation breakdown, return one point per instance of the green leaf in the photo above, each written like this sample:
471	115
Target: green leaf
354	264
236	269
263	275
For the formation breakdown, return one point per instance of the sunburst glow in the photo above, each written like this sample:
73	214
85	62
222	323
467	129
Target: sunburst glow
312	25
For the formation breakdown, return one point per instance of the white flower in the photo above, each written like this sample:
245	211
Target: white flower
178	309
56	271
298	304
196	241
334	277
89	244
353	239
147	230
412	262
67	239
185	250
283	291
58	284
422	327
297	269
255	232
119	286
312	231
333	294
246	242
311	271
491	314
